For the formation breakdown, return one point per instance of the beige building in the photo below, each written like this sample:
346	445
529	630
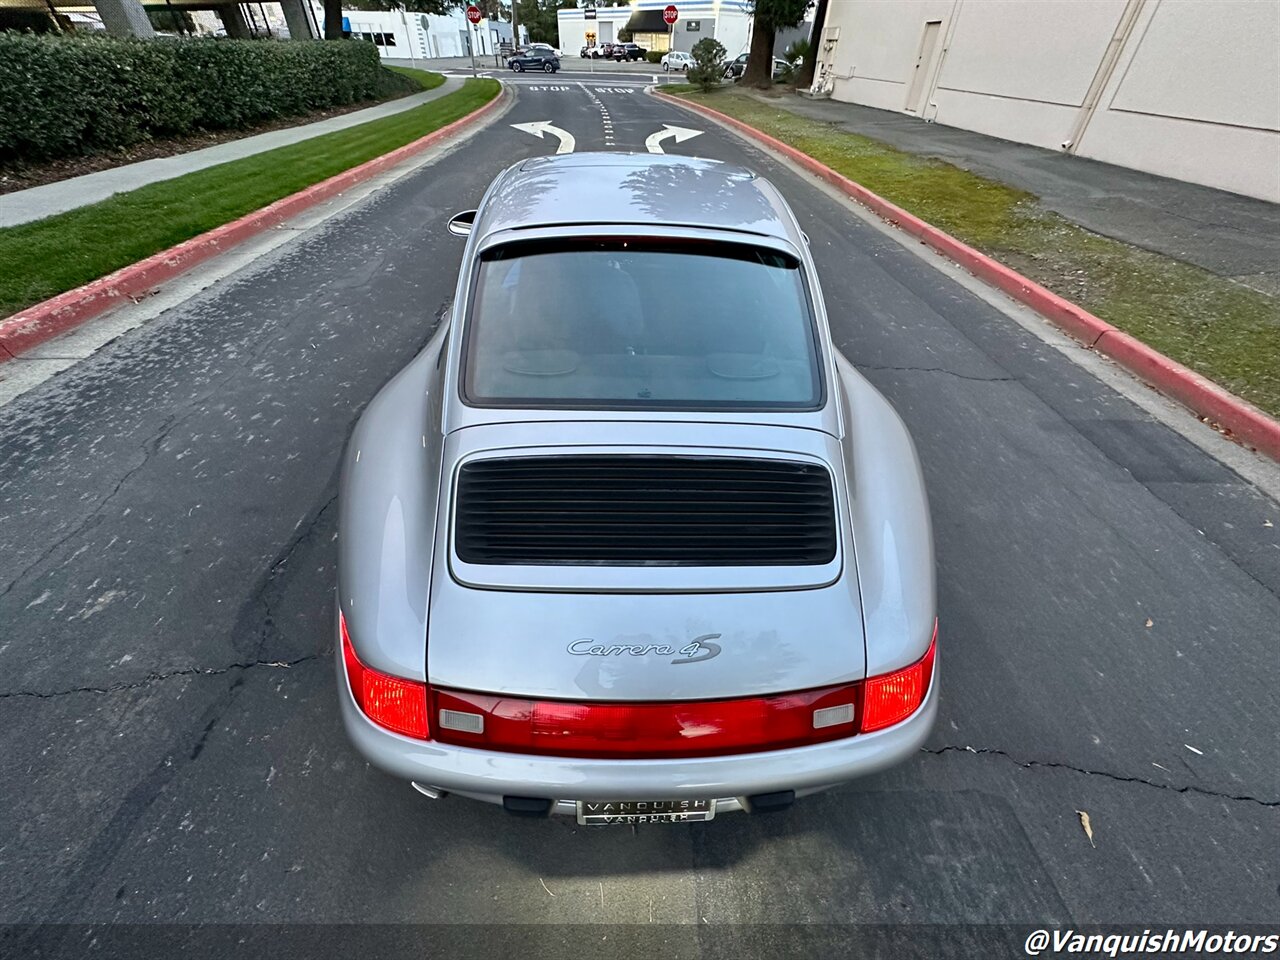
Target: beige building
1183	88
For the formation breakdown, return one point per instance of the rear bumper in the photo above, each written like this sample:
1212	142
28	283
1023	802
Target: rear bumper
489	776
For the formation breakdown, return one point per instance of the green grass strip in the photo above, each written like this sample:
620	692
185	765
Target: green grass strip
423	78
1220	328
42	259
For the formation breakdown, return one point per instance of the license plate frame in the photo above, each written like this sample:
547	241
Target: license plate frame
606	813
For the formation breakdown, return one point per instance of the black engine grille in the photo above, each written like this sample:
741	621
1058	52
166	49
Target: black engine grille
625	510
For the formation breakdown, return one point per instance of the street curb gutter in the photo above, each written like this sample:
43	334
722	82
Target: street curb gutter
1238	418
33	326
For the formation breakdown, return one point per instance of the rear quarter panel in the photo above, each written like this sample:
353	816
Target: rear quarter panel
387	516
892	532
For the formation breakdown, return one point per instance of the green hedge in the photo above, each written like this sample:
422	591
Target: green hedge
62	96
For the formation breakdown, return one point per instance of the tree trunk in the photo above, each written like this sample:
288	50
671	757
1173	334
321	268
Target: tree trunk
333	19
805	77
759	71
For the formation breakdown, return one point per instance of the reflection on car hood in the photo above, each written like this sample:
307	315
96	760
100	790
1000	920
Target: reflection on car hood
633	188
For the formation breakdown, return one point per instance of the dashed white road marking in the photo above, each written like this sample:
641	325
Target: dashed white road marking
605	120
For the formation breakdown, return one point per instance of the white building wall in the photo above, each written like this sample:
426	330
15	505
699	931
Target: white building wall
1194	92
703	15
733	29
877	48
1198	98
423	36
573	27
728	21
1021	70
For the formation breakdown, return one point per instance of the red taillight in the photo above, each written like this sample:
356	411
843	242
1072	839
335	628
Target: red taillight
645	730
399	705
638	730
892	697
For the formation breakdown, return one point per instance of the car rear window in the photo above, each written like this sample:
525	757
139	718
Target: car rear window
621	324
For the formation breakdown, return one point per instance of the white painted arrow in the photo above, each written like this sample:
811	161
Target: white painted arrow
654	143
539	127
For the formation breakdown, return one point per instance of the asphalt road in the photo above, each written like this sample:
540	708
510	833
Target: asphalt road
170	747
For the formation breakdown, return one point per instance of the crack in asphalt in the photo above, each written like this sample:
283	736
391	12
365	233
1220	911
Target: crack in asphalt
153	678
949	373
1118	778
256	629
150	447
94	863
262	597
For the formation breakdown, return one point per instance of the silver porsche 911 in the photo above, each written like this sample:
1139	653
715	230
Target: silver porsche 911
629	540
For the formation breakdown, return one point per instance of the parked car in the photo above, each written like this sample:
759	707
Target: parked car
535	58
733	70
602	51
646	564
628	51
677	60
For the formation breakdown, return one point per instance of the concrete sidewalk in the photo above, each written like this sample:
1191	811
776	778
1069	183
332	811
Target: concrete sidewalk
1230	235
24	206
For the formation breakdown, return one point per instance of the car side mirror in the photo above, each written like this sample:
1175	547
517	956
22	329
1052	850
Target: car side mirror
460	224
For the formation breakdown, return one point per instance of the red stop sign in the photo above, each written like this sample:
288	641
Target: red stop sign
473	14
670	14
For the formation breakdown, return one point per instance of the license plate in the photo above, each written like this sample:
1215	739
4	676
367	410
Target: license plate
604	812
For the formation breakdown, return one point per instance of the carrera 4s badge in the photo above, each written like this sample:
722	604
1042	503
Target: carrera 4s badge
695	651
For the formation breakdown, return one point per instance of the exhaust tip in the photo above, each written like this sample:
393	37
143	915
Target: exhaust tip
528	806
770	802
435	793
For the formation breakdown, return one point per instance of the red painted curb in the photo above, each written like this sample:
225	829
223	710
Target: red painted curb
1219	407
46	320
1234	416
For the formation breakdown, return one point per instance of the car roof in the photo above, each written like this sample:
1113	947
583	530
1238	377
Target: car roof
628	188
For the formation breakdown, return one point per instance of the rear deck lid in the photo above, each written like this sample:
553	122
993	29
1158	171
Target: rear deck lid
643	570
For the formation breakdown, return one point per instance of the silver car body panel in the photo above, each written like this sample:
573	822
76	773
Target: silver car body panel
415	611
386	522
489	775
671	438
891	528
537	645
621	188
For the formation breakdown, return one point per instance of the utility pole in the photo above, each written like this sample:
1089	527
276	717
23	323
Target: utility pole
404	18
53	16
515	28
